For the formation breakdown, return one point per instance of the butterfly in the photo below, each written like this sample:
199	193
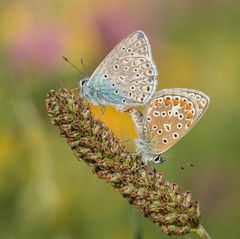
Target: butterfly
170	115
125	78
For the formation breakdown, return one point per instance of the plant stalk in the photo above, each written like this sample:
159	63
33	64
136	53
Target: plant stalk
167	205
202	233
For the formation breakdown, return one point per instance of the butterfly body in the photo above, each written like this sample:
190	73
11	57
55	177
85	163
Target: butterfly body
170	115
125	78
100	92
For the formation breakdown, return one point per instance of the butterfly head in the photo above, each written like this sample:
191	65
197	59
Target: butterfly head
83	86
158	159
83	81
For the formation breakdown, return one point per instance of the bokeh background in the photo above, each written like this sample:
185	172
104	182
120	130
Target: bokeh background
44	191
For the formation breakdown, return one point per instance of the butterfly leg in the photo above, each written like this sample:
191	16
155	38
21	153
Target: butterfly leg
137	118
153	166
122	108
102	111
188	164
126	140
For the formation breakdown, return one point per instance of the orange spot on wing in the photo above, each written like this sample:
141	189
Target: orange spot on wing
182	103
188	106
167	102
189	115
189	124
175	102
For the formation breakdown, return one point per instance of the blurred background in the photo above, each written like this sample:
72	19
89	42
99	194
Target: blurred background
44	191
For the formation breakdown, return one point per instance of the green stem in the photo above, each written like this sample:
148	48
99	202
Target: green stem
201	232
137	226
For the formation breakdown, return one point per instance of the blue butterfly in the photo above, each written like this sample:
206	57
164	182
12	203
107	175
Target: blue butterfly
126	77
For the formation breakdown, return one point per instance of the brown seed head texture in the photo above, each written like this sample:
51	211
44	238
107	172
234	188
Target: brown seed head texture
164	203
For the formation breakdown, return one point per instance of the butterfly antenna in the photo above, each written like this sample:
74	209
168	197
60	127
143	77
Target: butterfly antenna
179	163
61	84
84	68
171	159
127	140
65	58
188	164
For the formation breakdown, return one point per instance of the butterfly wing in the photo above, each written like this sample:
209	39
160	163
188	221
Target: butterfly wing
200	98
128	72
171	114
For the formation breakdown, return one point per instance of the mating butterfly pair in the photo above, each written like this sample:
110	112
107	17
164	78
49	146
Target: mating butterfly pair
128	77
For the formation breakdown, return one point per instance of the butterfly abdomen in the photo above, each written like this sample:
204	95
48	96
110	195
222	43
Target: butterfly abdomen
137	118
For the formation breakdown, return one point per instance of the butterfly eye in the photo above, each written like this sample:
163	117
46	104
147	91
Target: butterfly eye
83	82
158	159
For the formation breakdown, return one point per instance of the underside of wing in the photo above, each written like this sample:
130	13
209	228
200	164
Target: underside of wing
201	99
129	69
132	78
170	116
135	44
